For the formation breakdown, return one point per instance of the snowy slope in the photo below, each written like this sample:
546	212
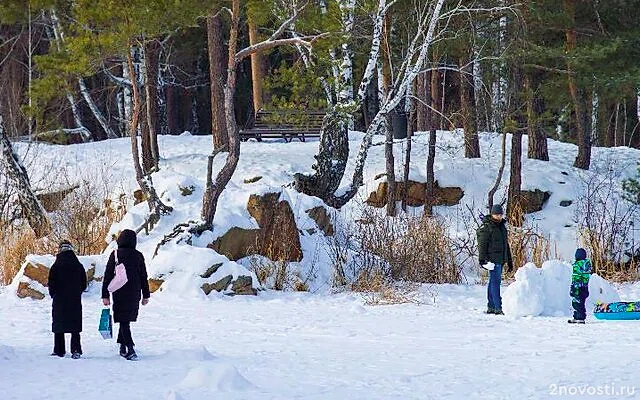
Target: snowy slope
184	160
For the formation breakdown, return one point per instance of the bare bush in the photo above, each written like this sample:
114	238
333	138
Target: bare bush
605	226
16	244
404	248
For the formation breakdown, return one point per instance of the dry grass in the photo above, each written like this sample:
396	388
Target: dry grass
380	290
413	248
15	245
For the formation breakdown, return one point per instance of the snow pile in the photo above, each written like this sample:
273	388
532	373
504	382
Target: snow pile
545	291
185	269
217	376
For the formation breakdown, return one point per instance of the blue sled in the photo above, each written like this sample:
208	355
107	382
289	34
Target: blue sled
619	316
620	310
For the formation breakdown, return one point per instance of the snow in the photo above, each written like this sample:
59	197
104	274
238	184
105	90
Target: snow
320	345
184	162
545	291
306	346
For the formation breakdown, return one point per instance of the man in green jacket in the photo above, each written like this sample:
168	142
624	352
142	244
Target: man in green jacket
493	247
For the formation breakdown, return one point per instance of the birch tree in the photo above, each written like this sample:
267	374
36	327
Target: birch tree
16	172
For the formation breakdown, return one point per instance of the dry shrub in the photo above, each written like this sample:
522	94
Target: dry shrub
606	227
277	275
528	245
15	245
378	289
415	248
85	218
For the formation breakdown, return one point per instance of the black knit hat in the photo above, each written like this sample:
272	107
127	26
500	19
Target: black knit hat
581	254
497	209
65	245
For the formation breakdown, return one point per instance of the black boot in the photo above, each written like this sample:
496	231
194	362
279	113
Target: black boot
576	321
123	351
131	354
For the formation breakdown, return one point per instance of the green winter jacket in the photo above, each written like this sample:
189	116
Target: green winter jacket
581	272
493	244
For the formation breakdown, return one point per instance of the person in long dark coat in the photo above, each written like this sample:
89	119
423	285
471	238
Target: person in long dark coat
67	281
126	300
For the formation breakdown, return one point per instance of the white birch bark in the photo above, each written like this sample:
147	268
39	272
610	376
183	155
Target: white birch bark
94	109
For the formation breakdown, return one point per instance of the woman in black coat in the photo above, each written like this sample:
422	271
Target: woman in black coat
126	300
67	281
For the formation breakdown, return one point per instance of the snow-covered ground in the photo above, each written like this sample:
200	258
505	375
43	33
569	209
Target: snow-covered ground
306	346
321	345
184	163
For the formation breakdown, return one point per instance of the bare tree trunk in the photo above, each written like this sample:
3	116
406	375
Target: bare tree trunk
422	94
514	209
213	188
156	206
390	171
407	157
95	110
143	125
152	70
256	67
496	185
216	77
537	148
16	172
431	153
578	95
468	103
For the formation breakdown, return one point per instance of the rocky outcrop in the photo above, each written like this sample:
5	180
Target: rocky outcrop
277	237
154	284
533	200
26	291
416	194
323	220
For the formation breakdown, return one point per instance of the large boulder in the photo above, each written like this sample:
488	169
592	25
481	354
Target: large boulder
323	220
533	200
277	237
416	194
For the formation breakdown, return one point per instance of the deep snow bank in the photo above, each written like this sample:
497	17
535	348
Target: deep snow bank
545	291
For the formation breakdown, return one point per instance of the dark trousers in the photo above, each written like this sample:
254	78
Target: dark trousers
124	334
579	294
59	347
494	302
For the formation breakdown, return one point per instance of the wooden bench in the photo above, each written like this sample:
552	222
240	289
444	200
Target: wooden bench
287	125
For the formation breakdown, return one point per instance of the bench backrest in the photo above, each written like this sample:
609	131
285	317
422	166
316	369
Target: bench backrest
283	119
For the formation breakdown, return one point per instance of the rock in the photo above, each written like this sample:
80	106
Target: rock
323	220
219	286
244	286
252	180
139	197
533	200
154	284
51	201
91	273
24	291
186	190
566	203
211	270
416	194
237	243
277	237
38	273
